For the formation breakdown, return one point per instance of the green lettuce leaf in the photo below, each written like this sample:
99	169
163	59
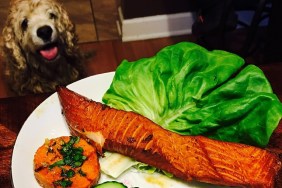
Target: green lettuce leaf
192	91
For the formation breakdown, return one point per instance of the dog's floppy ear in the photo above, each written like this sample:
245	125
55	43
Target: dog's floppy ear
67	30
11	48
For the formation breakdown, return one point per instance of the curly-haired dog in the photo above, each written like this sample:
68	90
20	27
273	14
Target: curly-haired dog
40	47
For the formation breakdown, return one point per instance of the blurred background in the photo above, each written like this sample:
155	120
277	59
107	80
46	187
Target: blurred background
112	30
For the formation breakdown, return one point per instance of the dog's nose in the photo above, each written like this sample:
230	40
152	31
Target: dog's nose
45	33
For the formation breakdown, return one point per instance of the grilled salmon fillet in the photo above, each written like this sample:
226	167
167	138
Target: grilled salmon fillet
186	157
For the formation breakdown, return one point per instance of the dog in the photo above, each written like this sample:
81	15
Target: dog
40	47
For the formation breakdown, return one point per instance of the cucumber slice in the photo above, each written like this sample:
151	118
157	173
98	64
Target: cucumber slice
110	184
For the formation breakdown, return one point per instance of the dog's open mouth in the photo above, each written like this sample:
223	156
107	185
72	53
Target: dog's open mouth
49	52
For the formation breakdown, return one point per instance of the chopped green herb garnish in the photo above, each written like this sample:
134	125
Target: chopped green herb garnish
63	182
58	163
67	173
72	156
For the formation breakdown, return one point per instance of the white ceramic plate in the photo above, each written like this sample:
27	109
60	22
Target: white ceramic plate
46	121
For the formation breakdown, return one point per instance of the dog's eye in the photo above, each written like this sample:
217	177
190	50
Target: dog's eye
52	16
24	24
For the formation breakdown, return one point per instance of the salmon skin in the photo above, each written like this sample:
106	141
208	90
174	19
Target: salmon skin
186	157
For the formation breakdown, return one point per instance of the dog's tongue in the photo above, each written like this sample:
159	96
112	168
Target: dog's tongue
50	53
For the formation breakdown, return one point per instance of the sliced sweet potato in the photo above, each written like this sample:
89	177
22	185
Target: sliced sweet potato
66	162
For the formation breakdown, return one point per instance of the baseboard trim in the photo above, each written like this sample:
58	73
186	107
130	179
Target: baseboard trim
155	26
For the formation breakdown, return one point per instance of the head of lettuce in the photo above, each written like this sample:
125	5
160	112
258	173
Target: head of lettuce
192	91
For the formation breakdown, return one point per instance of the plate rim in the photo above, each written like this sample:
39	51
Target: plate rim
53	96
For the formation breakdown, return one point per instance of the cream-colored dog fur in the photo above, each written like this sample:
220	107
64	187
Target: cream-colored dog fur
40	47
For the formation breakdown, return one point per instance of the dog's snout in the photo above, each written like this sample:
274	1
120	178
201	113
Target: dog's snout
45	33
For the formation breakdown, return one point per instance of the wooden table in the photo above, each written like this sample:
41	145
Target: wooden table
15	110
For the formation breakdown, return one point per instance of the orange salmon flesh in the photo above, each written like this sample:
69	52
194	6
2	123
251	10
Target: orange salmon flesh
186	157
